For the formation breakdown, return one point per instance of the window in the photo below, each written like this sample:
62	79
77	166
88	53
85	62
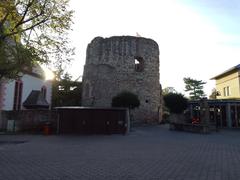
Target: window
44	91
17	95
139	64
226	91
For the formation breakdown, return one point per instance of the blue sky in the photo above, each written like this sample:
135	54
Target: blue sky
224	14
197	39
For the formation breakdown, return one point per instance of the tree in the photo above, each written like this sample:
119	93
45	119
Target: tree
66	92
33	31
175	102
126	99
168	90
194	87
214	94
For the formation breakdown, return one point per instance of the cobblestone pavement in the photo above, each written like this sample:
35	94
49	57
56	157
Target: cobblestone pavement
146	153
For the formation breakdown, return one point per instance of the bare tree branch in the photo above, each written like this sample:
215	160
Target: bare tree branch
26	29
4	19
30	3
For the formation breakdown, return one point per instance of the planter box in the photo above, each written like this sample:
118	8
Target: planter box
195	128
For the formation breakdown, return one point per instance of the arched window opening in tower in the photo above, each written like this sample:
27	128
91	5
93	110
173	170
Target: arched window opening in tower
139	64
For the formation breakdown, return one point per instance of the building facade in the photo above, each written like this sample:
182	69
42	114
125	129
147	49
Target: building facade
223	113
14	93
123	63
228	83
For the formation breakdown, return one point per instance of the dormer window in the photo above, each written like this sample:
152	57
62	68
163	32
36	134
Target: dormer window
44	91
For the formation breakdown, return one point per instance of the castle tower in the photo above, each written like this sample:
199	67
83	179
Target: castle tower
123	63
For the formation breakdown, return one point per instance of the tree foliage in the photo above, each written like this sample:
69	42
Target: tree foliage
175	102
33	31
126	99
214	94
66	92
168	90
194	87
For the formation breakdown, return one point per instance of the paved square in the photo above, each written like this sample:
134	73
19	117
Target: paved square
146	153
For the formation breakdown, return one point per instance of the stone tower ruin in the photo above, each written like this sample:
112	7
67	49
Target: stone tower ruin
123	63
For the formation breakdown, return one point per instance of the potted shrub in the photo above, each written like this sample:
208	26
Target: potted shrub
176	104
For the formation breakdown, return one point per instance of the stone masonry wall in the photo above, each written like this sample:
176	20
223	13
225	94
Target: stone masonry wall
110	68
29	120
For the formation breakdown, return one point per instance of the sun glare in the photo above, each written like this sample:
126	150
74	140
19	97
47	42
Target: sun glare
49	75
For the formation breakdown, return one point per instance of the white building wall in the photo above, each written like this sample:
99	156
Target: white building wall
9	95
29	83
48	84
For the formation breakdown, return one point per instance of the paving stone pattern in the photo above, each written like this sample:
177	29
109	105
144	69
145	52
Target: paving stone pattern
146	153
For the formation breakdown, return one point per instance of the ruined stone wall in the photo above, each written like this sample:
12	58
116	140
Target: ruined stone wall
29	120
110	69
